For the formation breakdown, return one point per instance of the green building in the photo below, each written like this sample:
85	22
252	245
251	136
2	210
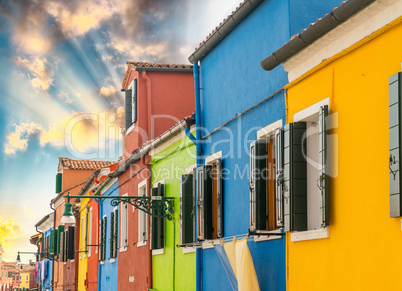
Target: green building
173	261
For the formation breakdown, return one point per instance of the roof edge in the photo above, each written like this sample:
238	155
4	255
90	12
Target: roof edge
308	36
223	30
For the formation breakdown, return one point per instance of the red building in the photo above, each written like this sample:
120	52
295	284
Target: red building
157	97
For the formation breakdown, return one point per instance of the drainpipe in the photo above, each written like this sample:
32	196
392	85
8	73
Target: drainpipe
198	124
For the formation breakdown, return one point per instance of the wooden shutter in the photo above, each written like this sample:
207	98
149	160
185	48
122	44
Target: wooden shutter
295	177
205	202
186	209
194	210
395	89
158	223
116	225
104	238
279	176
134	102
324	179
58	182
111	245
219	197
53	241
86	231
161	221
128	108
63	246
71	243
101	240
258	185
59	239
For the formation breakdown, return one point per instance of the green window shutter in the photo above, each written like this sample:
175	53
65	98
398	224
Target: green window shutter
158	223
111	234
395	89
71	243
258	185
219	197
62	246
186	209
58	182
128	108
60	230
295	177
324	179
279	176
115	236
104	238
194	210
205	202
53	241
134	102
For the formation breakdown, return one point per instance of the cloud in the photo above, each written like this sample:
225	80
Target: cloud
9	231
41	75
79	132
108	91
28	212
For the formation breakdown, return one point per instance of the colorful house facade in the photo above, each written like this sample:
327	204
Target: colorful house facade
344	96
27	278
152	92
239	108
71	177
173	262
44	277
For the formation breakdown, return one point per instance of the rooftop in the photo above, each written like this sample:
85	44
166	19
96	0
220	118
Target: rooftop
67	163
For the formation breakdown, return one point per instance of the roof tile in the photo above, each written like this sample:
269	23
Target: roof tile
159	65
83	164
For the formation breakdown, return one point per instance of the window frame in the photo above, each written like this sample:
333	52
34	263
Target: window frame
124	212
158	251
142	216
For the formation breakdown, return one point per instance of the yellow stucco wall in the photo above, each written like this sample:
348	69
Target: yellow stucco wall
24	283
83	257
364	249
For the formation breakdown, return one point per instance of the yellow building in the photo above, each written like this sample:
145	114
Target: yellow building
27	278
83	244
343	218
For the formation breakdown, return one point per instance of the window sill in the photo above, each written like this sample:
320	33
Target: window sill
113	260
309	234
130	129
123	250
158	252
269	235
209	244
102	262
141	244
188	250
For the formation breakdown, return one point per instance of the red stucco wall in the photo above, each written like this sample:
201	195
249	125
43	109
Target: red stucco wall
92	275
136	261
171	99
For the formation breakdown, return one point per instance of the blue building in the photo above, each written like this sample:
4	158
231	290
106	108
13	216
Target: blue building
47	245
109	239
241	108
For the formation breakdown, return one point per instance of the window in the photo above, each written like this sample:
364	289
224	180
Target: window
124	225
158	223
60	230
210	200
394	145
70	241
90	233
131	104
102	239
113	232
53	241
187	208
142	217
27	278
265	178
305	179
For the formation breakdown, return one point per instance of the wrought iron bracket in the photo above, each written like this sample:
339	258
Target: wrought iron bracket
157	206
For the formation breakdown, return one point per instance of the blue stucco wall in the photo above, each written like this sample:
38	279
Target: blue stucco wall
108	270
47	283
232	80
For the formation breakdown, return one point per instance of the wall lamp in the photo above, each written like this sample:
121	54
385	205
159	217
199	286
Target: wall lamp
157	206
48	256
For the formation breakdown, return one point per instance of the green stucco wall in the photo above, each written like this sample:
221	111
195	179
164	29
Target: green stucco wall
173	270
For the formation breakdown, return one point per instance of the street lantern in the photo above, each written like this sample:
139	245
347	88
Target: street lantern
68	215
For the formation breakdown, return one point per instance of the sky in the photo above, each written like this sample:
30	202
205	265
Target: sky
62	65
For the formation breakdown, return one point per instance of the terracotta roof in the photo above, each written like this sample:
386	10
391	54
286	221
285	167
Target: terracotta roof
140	65
27	268
83	164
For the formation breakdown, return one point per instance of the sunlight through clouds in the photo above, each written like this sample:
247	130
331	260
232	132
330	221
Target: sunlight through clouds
9	231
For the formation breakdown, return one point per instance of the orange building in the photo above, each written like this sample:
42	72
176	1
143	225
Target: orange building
72	175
